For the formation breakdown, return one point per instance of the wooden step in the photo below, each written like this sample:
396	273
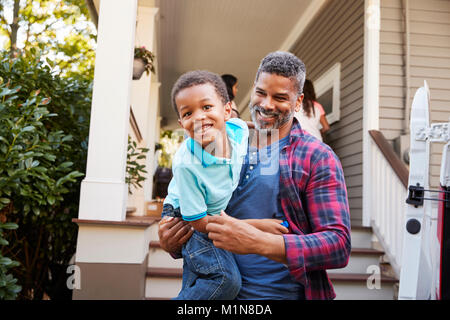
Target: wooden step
361	237
358	277
178	273
360	260
163	283
158	258
164	272
354	286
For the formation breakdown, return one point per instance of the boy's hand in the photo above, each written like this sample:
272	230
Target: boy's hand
269	225
173	233
250	125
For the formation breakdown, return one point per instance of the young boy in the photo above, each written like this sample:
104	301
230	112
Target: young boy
206	170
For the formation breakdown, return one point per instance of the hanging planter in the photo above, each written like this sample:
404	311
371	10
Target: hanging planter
143	61
138	68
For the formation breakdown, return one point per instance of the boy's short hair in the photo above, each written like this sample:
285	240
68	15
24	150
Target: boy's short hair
198	77
284	64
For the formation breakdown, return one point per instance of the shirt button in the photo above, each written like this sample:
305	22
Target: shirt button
251	167
246	177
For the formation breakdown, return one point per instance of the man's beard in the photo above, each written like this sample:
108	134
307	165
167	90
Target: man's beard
280	118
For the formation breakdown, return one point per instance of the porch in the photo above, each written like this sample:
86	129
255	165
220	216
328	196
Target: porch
232	37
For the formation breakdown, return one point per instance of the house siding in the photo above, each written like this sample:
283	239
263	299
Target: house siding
337	35
392	69
429	23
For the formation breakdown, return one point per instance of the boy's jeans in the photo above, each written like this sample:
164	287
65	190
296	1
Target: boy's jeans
209	273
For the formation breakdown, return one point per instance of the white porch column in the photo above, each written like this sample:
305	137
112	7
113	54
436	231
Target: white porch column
103	193
371	96
145	98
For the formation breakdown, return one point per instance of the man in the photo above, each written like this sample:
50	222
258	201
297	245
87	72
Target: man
306	188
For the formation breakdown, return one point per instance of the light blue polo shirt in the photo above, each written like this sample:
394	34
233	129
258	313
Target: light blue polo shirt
202	183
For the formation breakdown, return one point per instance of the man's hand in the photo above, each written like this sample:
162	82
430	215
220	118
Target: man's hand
231	234
173	233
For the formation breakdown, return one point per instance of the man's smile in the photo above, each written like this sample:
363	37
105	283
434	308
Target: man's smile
264	115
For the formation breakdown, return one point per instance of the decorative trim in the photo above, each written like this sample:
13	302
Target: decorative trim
331	79
302	23
126	223
135	126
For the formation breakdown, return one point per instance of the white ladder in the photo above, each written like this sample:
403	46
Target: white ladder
420	266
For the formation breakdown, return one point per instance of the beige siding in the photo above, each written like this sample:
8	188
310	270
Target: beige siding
392	69
429	60
337	35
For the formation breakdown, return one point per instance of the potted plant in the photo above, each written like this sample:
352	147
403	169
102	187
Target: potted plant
143	61
167	146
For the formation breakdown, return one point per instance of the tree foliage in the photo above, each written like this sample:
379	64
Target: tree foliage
59	28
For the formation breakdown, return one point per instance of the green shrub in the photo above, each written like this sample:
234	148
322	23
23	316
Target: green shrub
44	123
8	287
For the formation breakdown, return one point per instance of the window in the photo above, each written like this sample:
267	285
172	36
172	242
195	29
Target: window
328	92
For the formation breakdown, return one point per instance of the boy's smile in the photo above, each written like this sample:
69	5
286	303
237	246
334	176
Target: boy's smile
202	113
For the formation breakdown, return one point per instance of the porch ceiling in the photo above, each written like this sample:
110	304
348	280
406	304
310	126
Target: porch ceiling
229	36
221	36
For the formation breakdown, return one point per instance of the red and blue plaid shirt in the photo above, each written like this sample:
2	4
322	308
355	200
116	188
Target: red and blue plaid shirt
313	197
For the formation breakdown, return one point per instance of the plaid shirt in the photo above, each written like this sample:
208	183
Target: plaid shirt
313	197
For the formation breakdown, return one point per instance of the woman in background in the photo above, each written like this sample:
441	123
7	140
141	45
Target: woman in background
311	115
232	83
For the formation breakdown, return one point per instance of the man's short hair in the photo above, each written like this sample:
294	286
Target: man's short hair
284	64
198	77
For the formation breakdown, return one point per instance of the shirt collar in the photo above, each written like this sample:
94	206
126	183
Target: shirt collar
234	133
296	130
205	157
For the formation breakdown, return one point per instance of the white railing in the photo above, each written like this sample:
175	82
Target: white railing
387	206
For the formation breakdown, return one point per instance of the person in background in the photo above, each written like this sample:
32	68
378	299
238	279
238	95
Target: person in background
232	88
311	115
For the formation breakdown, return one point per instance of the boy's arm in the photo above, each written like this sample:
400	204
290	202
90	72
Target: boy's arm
268	225
200	224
